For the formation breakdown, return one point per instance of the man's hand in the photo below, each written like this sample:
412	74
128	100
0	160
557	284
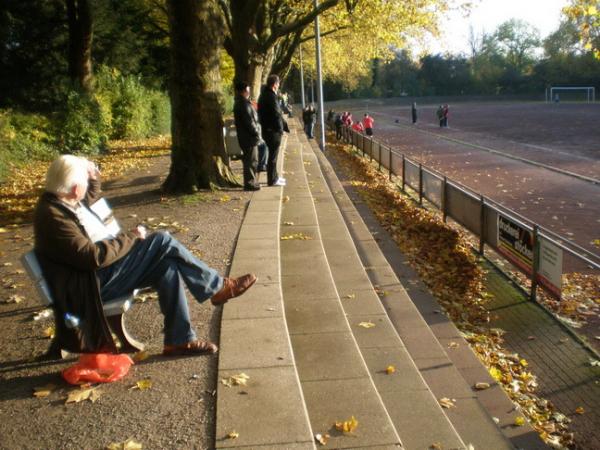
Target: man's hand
92	170
140	231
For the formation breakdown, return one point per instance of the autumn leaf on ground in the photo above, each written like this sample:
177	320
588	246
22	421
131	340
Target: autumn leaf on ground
435	446
447	403
580	410
141	356
347	426
3	230
15	299
453	345
79	395
43	314
495	373
233	435
321	438
43	391
350	296
225	198
129	444
519	421
299	236
285	199
366	324
49	332
236	380
481	386
288	224
142	385
390	369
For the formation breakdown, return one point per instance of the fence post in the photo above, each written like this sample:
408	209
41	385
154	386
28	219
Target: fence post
536	254
390	162
482	225
379	158
370	148
403	171
362	147
444	213
420	184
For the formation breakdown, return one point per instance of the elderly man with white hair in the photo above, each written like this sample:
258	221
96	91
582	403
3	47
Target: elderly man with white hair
85	264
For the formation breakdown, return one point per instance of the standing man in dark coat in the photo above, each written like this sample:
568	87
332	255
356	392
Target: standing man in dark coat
248	134
273	125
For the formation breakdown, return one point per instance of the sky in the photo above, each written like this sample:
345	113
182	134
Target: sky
486	15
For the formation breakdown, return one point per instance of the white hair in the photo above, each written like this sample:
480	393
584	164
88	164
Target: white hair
65	172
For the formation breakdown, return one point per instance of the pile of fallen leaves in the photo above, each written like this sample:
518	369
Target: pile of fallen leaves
24	184
446	263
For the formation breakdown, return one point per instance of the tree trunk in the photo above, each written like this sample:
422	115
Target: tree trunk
251	71
198	157
80	43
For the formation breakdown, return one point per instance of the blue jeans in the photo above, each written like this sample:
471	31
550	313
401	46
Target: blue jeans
263	151
162	262
309	129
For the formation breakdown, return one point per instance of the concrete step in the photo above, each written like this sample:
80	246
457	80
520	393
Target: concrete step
415	412
334	377
269	412
448	371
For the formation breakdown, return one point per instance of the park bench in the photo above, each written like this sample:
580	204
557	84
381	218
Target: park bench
114	310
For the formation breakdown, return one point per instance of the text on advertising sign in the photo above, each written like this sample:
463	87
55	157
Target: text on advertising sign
516	244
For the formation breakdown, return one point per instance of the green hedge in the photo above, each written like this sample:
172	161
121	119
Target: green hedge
24	137
120	107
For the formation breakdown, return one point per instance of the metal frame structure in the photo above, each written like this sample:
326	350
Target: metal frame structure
475	212
590	92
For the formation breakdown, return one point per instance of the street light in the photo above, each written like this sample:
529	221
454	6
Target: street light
319	79
302	79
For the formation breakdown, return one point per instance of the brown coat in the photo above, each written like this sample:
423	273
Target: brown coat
69	260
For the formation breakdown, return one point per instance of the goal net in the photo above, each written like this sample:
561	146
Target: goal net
571	94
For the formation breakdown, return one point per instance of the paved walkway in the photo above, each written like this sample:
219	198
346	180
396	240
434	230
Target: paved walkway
315	338
562	364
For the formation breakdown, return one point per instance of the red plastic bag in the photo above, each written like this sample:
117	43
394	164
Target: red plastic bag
98	368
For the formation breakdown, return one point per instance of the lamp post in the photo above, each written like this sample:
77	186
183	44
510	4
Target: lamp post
319	80
302	79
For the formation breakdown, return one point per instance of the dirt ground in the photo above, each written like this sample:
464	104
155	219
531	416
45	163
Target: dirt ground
565	136
178	411
569	139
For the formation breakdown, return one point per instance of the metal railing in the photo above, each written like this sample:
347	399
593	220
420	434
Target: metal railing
533	249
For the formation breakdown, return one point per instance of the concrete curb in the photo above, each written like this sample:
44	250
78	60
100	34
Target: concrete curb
270	410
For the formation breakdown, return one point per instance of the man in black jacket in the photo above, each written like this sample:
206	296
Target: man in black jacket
273	125
248	134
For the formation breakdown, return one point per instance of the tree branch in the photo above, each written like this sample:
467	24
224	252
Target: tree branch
298	24
327	33
227	15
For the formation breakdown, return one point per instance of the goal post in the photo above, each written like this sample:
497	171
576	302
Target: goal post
553	92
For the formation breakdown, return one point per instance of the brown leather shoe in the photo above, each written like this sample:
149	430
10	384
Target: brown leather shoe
192	348
233	287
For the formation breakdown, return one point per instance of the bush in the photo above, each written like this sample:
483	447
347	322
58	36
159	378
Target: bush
24	137
85	124
161	113
132	110
137	111
120	107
